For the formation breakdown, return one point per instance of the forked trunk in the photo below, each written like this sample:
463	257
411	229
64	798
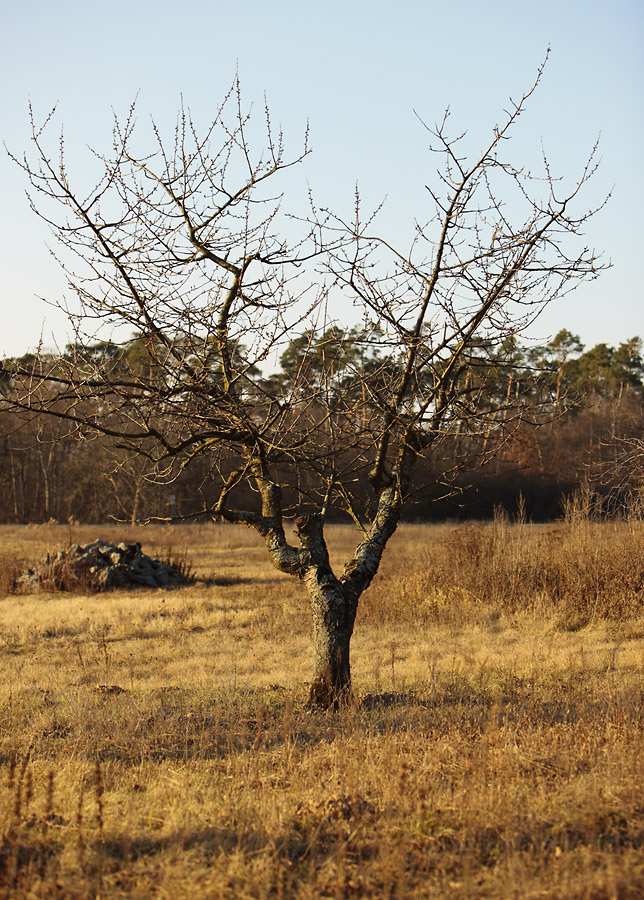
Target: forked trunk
333	616
334	601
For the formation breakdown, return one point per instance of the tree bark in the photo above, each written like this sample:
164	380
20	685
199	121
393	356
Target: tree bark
334	601
333	616
332	630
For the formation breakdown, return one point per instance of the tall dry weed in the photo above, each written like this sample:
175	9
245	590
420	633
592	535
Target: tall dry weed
578	571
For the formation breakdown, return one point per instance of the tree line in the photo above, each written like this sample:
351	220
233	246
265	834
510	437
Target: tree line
587	400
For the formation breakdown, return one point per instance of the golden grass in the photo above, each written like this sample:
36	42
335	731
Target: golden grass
156	743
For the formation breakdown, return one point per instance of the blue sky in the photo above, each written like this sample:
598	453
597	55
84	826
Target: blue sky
356	71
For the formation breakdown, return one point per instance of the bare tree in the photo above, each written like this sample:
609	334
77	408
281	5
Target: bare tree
187	247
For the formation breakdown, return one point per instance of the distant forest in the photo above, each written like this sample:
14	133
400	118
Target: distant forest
590	405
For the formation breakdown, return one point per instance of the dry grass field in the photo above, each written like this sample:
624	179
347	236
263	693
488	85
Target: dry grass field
156	743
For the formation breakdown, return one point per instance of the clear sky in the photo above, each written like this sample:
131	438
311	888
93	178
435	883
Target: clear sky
356	70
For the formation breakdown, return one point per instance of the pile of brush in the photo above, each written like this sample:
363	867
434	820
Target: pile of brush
100	566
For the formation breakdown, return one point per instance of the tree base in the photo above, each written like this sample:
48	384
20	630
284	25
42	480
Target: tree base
330	691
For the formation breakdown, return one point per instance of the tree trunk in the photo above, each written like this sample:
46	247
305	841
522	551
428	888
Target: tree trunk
332	630
333	616
45	474
334	601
